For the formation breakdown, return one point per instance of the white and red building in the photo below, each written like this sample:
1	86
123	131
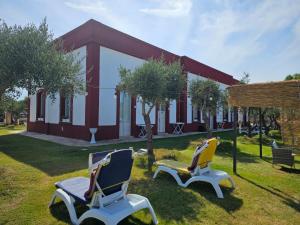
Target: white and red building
116	114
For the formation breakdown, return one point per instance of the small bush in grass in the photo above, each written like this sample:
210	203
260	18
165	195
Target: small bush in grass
275	134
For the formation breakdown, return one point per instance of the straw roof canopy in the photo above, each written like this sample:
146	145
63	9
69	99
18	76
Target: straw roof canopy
284	95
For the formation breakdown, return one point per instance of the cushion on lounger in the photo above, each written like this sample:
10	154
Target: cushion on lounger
197	154
76	187
207	155
111	176
176	165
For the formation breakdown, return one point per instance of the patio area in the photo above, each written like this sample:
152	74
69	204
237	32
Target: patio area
82	143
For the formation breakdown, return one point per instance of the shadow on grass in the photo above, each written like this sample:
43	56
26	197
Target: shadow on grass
60	212
285	198
55	159
170	202
230	203
290	170
225	150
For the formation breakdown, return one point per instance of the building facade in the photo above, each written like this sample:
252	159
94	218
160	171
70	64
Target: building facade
115	114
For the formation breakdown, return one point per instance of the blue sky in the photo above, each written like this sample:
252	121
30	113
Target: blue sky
259	37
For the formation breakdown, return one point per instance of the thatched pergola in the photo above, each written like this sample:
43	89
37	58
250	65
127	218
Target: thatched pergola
284	95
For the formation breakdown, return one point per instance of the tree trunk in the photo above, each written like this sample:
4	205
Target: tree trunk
147	120
207	124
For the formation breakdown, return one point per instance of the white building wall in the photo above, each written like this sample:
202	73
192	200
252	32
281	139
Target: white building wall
172	111
139	115
32	108
79	99
52	110
110	62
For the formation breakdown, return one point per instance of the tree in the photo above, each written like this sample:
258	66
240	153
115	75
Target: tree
206	95
15	107
245	79
31	59
155	82
295	76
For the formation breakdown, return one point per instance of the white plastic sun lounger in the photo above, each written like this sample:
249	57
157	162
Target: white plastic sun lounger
199	170
105	192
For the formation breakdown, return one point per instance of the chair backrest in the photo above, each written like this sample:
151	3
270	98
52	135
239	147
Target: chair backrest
204	154
282	156
116	172
207	155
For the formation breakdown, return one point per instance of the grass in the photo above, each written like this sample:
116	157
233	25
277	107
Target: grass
264	195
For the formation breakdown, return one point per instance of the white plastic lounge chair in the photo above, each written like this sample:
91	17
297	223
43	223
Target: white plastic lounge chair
199	170
105	193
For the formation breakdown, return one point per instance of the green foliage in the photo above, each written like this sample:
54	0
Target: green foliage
10	104
275	134
205	94
295	76
245	79
31	59
155	82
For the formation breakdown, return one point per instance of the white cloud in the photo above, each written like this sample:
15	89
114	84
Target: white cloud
169	8
88	6
228	36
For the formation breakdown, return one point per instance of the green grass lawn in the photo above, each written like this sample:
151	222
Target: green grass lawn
264	194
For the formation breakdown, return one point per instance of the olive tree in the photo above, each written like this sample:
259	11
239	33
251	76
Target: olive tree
153	83
31	59
206	95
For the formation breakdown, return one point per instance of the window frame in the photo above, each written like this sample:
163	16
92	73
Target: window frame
62	109
40	105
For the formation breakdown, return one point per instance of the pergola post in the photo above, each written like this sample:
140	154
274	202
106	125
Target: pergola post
234	149
260	133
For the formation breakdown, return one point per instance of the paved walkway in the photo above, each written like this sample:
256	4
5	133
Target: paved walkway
82	143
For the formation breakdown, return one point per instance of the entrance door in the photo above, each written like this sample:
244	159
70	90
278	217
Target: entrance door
125	114
161	119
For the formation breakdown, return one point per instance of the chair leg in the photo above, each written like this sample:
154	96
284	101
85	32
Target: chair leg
52	200
217	189
171	172
232	182
94	213
156	172
69	202
149	206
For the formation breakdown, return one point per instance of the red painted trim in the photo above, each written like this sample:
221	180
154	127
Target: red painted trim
96	32
92	79
193	66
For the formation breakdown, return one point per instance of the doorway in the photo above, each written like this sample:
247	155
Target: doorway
162	119
125	115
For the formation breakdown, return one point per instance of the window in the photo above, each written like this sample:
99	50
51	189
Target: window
40	105
195	114
225	115
66	108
